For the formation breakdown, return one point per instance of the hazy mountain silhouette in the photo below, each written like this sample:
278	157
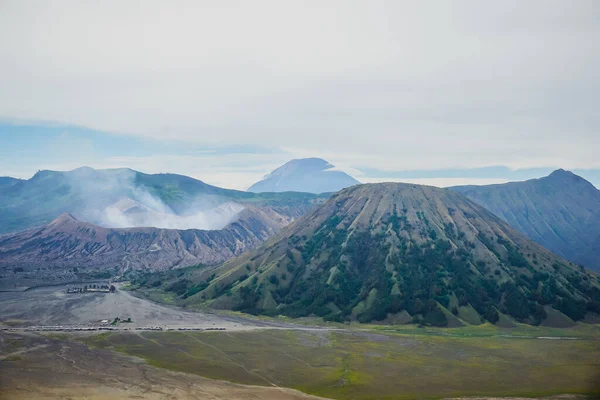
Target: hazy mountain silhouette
560	211
312	175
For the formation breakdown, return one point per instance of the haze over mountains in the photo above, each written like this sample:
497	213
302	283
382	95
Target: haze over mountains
121	198
122	219
560	211
312	175
400	251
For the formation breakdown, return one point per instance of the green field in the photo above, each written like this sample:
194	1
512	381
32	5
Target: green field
381	363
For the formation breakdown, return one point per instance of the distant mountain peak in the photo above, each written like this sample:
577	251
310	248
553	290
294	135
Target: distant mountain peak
62	218
64	221
83	168
311	162
565	174
562	173
304	165
313	175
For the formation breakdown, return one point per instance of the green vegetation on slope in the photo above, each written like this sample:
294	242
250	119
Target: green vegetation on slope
373	251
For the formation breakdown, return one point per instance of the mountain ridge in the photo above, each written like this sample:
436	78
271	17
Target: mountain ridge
560	211
8	181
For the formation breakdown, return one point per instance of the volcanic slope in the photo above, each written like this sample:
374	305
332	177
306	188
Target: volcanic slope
68	249
402	252
560	211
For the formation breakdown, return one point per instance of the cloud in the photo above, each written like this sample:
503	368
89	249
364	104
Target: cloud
62	148
149	211
231	170
389	85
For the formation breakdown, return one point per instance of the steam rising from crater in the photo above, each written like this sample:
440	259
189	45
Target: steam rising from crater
114	199
128	213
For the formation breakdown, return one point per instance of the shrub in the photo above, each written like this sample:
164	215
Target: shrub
435	317
274	279
178	287
339	317
491	314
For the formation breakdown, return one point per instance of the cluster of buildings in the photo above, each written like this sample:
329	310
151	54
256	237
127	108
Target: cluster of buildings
92	288
61	328
58	328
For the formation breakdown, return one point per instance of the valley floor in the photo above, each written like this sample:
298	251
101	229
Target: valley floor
254	359
36	367
52	306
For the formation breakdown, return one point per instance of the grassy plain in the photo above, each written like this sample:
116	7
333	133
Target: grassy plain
382	362
43	367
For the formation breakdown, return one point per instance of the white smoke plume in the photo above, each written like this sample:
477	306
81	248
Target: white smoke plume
111	198
128	213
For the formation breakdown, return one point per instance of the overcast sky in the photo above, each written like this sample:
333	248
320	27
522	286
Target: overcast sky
227	90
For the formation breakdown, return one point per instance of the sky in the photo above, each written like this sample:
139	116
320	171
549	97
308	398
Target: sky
435	92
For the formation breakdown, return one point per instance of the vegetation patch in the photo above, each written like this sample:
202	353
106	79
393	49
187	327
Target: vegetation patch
404	363
377	250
